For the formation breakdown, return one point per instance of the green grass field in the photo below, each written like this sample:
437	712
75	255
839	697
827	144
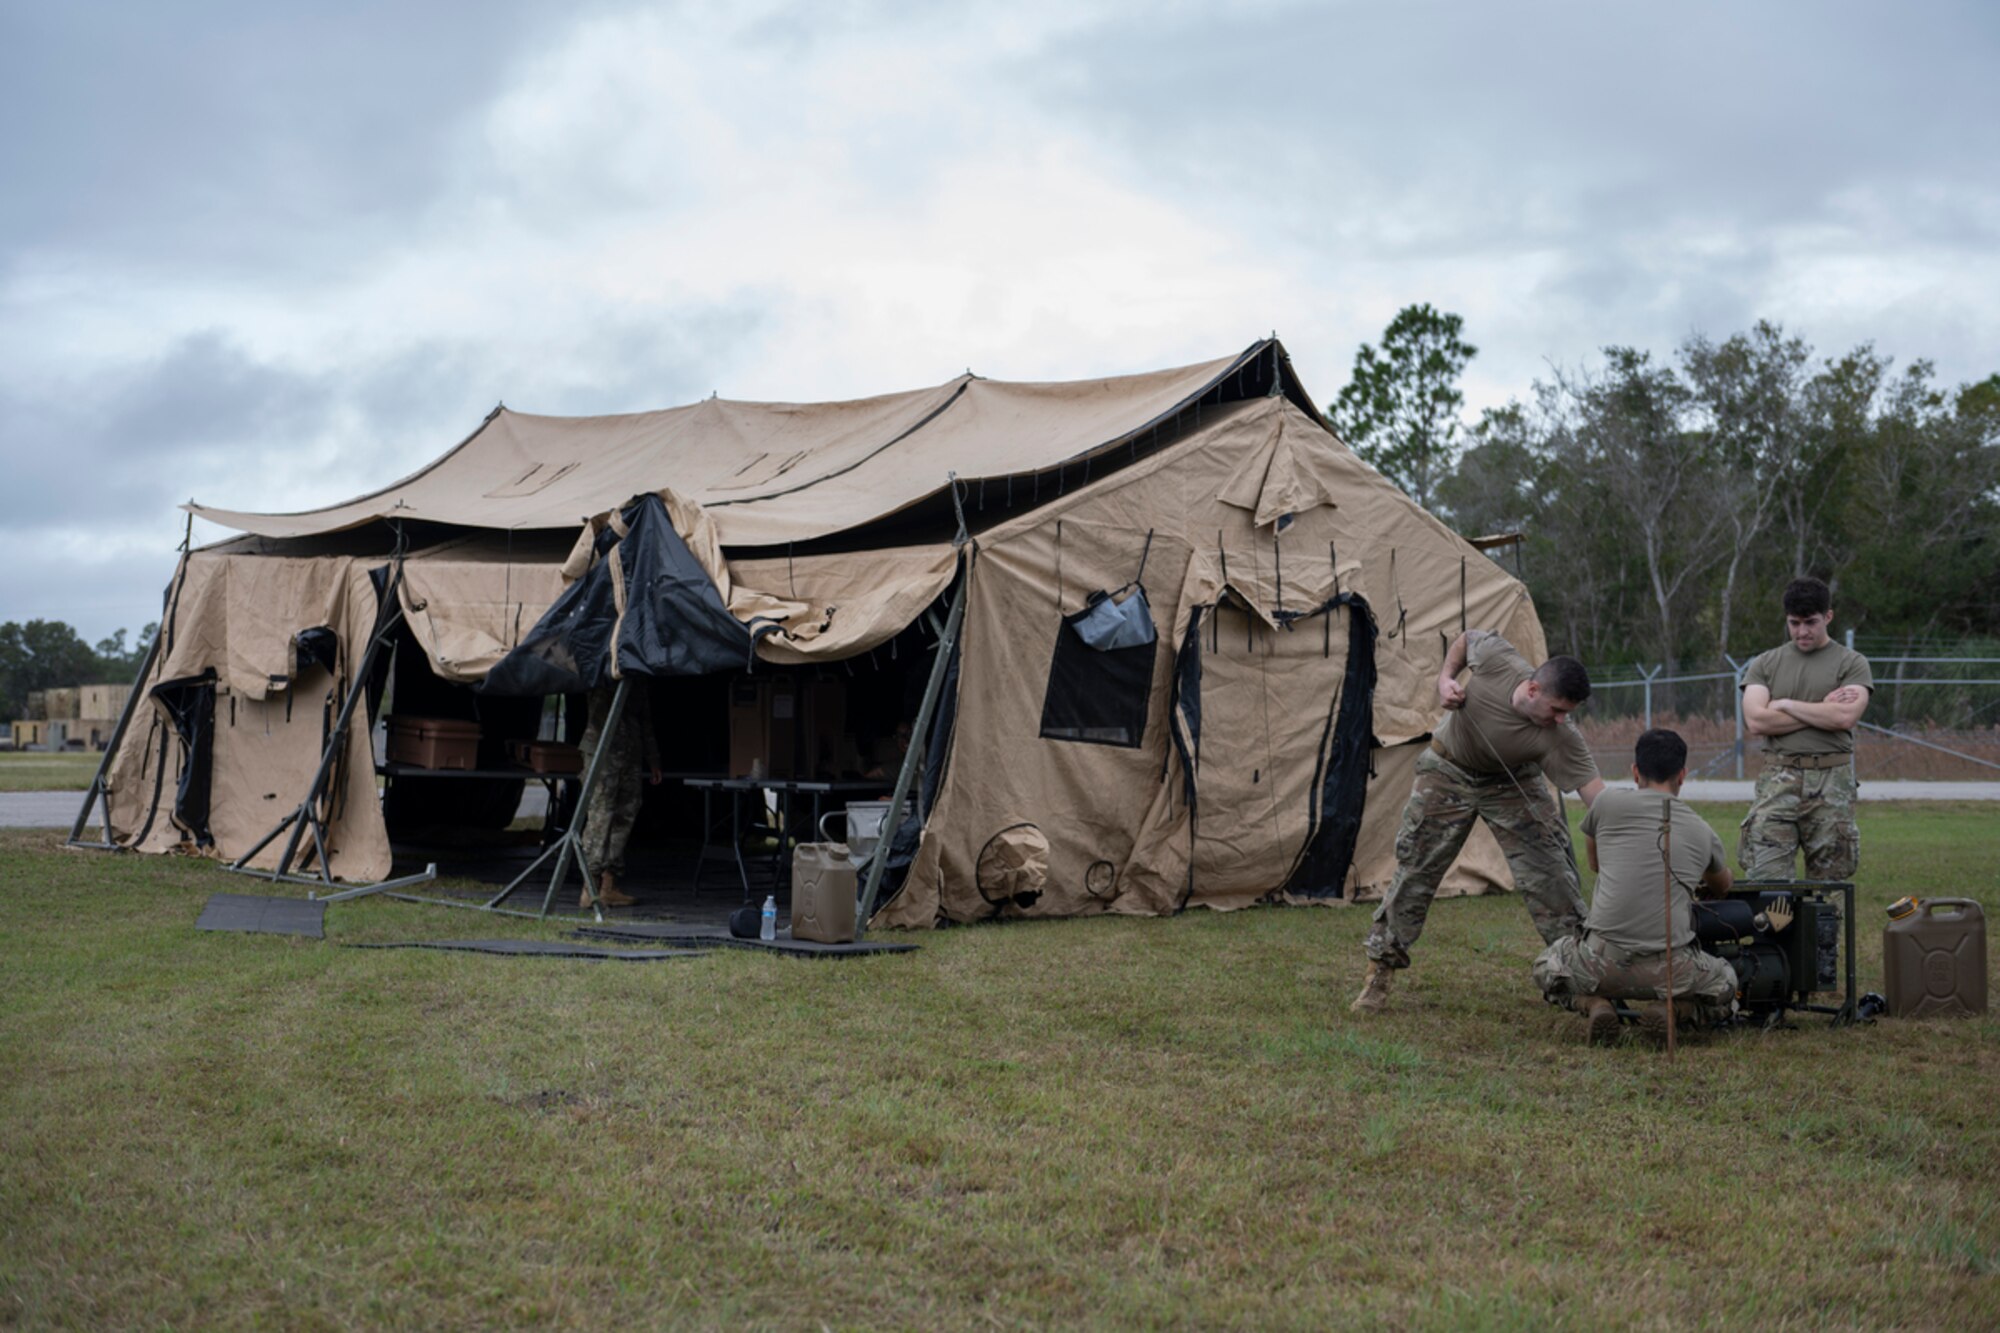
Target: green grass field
1109	1122
29	770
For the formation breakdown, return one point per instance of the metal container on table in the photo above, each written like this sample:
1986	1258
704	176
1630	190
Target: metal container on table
865	820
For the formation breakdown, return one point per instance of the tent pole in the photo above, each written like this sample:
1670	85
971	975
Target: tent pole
571	843
97	789
305	815
911	757
356	691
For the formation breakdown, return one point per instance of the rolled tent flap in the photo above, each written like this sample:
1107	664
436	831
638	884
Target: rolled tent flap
839	605
467	605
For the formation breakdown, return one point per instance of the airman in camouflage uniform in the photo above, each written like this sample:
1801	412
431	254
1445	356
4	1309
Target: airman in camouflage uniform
1804	698
615	796
1525	819
1622	952
1503	730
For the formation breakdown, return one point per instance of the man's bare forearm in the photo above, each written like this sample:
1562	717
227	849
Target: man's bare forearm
1450	693
1760	720
1826	715
1454	657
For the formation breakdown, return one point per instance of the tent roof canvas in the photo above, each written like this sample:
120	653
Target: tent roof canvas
778	473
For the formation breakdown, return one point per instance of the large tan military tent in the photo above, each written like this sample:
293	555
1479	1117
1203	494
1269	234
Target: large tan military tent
1198	650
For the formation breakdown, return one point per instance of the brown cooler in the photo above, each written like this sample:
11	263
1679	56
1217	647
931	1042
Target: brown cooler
433	742
825	886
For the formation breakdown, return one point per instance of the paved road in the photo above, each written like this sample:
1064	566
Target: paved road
1710	790
39	809
57	809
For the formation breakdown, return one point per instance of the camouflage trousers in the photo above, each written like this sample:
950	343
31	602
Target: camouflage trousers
614	797
1570	969
1795	810
1444	801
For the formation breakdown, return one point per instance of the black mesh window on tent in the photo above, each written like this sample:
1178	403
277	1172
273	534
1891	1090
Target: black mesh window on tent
1102	673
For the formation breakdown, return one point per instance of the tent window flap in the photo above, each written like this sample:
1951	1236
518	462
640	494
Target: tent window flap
1102	673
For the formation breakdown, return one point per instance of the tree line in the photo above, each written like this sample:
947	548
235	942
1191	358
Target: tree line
48	654
1665	502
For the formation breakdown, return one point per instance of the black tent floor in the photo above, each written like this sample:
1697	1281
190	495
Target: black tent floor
250	913
539	949
710	937
661	877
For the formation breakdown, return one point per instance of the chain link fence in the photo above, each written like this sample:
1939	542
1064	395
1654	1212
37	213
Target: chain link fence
1934	714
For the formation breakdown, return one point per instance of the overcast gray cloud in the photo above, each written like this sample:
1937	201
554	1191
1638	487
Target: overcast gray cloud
1571	175
273	255
241	136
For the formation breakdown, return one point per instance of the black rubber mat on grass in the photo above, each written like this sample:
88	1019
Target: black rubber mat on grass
540	949
263	916
713	937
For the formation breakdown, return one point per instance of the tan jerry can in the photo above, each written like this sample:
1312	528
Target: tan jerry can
1934	958
825	886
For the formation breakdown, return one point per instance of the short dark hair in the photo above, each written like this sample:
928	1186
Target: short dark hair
1660	754
1807	597
1565	678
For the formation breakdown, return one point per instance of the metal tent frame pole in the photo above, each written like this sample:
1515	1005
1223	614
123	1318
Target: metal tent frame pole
132	699
306	815
97	787
569	845
912	758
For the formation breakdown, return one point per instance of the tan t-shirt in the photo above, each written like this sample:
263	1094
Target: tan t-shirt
1809	677
1488	736
1626	907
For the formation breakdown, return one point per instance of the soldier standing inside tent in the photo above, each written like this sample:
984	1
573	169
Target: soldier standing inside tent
614	797
1623	951
1804	699
1503	729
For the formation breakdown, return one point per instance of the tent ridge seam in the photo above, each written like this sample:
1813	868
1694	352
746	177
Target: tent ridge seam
876	452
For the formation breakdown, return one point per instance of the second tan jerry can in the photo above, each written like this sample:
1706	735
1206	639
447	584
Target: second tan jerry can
824	889
1934	958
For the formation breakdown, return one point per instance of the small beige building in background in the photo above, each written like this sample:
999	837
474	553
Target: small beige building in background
70	717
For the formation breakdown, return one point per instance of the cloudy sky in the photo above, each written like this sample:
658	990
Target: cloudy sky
273	254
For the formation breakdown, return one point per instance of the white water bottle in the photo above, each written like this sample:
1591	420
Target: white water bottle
769	929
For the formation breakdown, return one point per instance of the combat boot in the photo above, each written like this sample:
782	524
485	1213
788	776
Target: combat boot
1374	997
1653	1018
1602	1016
607	893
